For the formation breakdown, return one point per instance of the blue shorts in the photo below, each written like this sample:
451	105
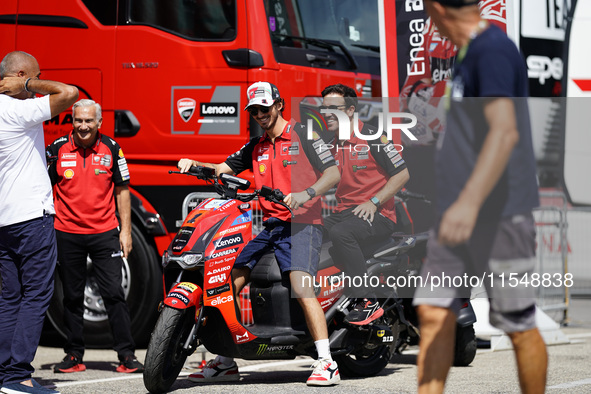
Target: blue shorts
305	240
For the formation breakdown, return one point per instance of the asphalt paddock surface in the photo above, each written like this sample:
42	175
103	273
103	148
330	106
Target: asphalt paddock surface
490	372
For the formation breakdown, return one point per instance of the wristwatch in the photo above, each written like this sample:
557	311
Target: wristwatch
311	192
375	201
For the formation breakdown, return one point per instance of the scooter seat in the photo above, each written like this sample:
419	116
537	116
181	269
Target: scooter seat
266	270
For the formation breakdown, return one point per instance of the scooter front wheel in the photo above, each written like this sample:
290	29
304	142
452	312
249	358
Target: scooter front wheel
166	356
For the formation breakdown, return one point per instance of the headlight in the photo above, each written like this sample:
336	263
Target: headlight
186	261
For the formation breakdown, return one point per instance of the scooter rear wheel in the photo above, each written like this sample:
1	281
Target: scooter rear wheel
165	356
465	347
370	359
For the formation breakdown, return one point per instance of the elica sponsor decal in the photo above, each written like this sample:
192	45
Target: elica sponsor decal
181	297
223	253
221	300
218	109
228	241
218	290
221	278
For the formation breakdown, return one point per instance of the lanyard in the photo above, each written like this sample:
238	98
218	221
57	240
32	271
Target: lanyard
482	25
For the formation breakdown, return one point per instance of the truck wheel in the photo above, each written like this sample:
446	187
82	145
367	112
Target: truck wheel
142	285
165	356
465	349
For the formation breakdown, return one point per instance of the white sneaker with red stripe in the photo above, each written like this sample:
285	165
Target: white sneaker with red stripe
326	373
216	371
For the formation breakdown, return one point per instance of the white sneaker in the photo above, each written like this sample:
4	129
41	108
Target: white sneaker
216	371
326	373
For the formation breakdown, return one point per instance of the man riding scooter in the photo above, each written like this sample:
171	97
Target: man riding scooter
314	173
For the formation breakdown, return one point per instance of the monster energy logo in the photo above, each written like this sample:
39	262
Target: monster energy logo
263	348
357	168
287	163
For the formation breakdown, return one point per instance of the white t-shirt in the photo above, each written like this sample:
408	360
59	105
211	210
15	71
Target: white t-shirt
25	188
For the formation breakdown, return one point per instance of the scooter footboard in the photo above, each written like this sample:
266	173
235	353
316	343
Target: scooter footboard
184	295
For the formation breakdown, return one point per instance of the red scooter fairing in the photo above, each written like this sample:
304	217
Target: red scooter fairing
212	236
184	295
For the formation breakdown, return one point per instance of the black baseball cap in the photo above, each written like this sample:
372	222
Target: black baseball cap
456	3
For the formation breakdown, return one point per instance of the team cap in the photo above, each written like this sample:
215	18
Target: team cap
262	93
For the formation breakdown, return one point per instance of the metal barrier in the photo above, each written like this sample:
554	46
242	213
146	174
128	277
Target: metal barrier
579	250
552	255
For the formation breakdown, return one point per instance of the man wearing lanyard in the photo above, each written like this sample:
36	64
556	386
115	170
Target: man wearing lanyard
486	190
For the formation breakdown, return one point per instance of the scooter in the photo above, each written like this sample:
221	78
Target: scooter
465	342
200	307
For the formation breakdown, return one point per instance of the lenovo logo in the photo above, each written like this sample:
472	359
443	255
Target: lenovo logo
229	241
218	109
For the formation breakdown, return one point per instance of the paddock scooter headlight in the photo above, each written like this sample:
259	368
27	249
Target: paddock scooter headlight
186	261
191	259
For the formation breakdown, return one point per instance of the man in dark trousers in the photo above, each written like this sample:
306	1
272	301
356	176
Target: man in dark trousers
90	173
27	238
486	190
371	174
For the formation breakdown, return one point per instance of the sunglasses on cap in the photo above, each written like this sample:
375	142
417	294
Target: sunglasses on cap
253	111
332	106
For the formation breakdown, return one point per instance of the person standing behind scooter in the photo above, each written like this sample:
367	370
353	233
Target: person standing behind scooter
282	158
371	175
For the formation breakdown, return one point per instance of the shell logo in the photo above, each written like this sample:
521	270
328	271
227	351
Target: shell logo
262	168
315	136
120	153
69	173
384	140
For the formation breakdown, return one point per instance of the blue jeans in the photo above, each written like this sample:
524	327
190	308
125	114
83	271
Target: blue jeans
305	240
28	255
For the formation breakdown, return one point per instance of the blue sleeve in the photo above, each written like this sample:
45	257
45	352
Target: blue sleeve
498	71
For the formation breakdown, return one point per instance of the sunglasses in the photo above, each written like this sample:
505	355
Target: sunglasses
332	107
253	111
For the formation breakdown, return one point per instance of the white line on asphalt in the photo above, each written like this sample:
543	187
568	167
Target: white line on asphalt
584	335
256	367
81	382
247	368
571	384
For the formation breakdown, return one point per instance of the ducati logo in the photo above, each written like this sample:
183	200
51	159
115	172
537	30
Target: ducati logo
186	108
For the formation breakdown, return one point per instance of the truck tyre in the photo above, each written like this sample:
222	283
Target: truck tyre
142	284
465	348
165	356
